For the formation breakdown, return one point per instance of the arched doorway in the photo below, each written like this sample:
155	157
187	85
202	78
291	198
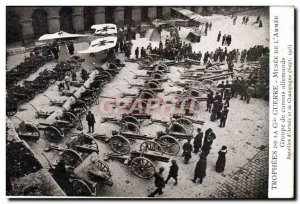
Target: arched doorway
144	14
13	27
66	19
128	15
89	17
39	22
109	14
159	12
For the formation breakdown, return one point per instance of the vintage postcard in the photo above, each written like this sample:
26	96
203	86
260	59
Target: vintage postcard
165	102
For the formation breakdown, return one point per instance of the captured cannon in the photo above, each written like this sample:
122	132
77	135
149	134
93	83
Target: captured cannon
141	161
41	114
27	131
63	124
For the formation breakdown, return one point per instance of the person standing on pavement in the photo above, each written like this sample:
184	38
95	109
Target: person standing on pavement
223	118
159	182
173	173
198	140
67	82
220	165
137	52
187	151
219	36
91	121
200	170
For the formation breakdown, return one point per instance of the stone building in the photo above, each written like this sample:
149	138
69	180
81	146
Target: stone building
26	24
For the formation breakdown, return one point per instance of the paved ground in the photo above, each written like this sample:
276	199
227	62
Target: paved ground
251	181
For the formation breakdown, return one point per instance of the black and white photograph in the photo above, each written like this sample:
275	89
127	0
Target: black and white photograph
165	102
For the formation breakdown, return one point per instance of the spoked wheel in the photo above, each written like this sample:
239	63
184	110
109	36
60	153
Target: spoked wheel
156	82
80	188
100	170
209	83
147	95
143	167
161	67
198	85
53	134
120	144
130	127
131	119
192	92
71	158
73	120
176	128
187	124
84	144
152	85
157	75
151	146
169	144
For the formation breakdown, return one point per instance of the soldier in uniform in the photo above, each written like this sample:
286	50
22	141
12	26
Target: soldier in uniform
91	121
198	140
224	115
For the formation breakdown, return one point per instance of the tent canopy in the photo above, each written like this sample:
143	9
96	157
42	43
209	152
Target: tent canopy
104	29
60	35
101	44
191	15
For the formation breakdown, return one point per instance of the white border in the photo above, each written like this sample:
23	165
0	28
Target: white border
111	2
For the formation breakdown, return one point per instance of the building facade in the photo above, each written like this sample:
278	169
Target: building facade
26	24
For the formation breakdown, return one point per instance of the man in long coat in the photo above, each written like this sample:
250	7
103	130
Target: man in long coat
198	141
91	121
187	151
173	173
159	182
200	170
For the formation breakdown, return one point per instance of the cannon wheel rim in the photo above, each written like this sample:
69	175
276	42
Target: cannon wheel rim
132	119
107	74
152	146
143	167
130	127
100	166
73	117
113	66
93	146
119	141
174	125
152	85
79	184
156	75
191	90
57	133
35	130
169	144
149	91
198	84
161	67
187	124
70	153
147	60
155	81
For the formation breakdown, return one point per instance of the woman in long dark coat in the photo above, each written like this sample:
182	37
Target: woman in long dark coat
200	170
220	165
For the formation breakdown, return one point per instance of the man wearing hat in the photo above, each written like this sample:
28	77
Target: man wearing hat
223	118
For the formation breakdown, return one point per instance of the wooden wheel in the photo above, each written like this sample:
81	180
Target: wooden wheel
176	128
143	167
120	144
71	158
209	83
161	67
130	127
151	146
80	188
187	124
192	92
84	144
73	120
157	75
152	85
132	119
155	81
149	91
53	134
107	73
99	171
169	144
